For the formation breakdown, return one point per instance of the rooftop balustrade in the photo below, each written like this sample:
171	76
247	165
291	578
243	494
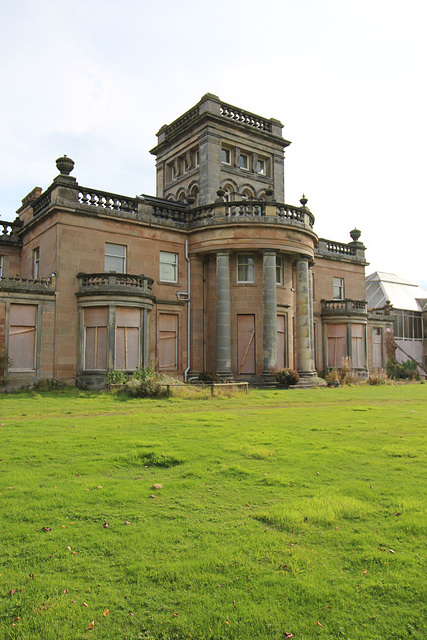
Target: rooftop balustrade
353	251
9	231
167	213
244	117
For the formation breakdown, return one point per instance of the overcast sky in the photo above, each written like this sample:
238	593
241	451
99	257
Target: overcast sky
96	79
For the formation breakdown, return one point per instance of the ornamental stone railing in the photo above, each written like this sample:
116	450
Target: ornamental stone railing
173	214
245	208
168	212
9	231
353	251
105	200
93	283
28	285
244	117
295	214
341	248
251	211
346	307
43	201
181	122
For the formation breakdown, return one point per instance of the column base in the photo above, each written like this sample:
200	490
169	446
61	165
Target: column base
309	380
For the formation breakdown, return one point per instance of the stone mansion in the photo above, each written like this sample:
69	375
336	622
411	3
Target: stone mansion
215	272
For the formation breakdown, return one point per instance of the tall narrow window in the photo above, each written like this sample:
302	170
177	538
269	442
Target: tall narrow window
96	333
260	167
1	267
22	336
338	288
168	266
244	161
245	268
36	263
115	258
226	156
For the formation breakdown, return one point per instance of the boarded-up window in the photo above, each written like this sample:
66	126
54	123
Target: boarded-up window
337	344
377	348
358	345
127	338
96	334
168	339
22	336
246	343
281	342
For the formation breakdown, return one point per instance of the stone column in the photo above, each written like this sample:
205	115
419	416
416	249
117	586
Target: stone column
304	328
310	298
269	335
223	314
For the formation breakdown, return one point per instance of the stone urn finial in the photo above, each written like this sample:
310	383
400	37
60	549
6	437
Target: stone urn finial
303	200
220	193
269	192
65	165
355	235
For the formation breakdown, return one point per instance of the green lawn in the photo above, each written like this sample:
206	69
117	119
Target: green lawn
280	512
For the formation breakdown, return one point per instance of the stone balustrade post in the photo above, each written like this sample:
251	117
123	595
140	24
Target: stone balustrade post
223	314
269	336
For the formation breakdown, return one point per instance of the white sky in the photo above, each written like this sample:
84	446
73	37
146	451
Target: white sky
96	79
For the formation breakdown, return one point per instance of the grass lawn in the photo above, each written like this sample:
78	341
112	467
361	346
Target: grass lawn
281	513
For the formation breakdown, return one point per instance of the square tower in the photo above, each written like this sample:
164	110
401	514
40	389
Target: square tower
215	145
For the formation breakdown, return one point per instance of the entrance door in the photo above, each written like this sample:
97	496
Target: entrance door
246	343
282	343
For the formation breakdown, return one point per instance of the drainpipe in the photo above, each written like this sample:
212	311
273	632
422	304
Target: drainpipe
185	295
188	311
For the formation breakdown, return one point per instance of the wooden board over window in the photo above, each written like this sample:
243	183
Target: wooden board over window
358	345
22	336
246	343
127	338
96	334
168	341
337	344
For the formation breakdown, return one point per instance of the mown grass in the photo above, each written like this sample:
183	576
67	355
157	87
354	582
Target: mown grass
281	512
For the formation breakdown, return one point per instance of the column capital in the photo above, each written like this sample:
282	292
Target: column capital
269	252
